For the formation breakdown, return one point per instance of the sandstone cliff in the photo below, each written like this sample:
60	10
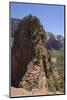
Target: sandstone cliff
30	64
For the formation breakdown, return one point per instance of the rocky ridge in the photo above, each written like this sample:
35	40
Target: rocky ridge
31	67
53	41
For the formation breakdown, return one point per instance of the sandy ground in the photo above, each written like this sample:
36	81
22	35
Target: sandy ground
15	92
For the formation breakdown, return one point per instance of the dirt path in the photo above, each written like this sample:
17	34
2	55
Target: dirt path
15	92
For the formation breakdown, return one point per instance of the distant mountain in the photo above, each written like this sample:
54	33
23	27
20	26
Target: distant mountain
53	41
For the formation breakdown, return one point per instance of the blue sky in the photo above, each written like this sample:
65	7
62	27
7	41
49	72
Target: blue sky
51	16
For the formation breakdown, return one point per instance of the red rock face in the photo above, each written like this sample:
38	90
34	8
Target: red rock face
22	49
21	56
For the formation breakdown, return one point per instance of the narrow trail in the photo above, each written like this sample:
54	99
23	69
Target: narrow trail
15	92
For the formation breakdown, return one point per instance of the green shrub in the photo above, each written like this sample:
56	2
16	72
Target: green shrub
51	85
33	83
38	52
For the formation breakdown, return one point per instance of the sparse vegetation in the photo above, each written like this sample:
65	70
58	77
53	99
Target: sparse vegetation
32	62
59	55
51	84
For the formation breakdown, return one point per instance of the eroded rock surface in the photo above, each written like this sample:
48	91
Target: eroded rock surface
30	67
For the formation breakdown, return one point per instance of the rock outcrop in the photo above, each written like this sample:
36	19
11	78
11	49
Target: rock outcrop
30	66
54	42
27	38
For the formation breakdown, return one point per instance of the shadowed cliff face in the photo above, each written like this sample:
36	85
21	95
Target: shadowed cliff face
21	56
22	51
